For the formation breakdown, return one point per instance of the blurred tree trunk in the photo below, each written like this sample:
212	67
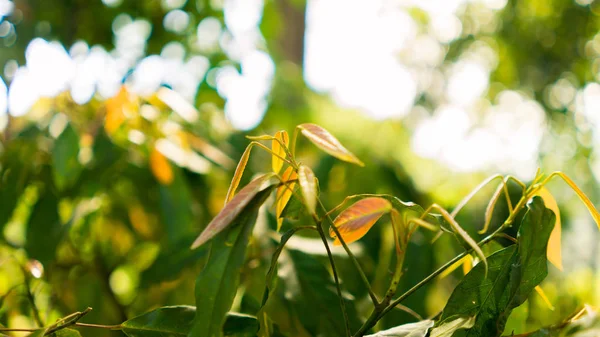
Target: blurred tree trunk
291	40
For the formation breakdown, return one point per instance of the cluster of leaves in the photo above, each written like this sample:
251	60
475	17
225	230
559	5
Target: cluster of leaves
480	305
297	294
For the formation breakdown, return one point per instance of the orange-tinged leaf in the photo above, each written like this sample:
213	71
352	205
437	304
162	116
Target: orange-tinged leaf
468	265
554	251
284	193
277	162
160	167
308	186
239	172
355	221
328	143
120	106
233	208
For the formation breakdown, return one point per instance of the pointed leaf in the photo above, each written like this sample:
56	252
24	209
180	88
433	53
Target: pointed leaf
277	162
554	244
234	208
448	329
67	333
418	329
239	172
328	143
218	282
513	274
308	185
160	167
66	165
165	321
176	321
587	202
355	221
284	193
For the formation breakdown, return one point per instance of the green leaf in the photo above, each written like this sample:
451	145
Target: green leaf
233	208
240	325
513	274
217	284
165	321
67	333
177	321
44	229
176	208
448	329
317	294
65	158
418	329
37	333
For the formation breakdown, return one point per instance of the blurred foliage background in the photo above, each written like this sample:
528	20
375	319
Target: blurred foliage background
122	122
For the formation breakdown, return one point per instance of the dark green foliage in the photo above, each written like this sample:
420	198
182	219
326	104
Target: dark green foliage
512	275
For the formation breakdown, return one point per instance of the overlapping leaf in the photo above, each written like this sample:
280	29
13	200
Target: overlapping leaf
218	282
308	186
328	143
280	137
176	321
355	221
554	244
239	172
284	193
513	274
234	208
418	329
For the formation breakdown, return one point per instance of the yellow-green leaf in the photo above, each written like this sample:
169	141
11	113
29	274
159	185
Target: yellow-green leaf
554	251
308	186
233	208
239	172
160	167
355	221
588	203
284	193
328	143
281	137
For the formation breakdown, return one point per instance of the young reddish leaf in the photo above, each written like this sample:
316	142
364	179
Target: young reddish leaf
554	251
355	221
160	167
233	208
239	172
284	193
328	143
308	185
277	162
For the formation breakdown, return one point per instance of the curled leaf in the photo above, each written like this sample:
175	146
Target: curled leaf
554	251
281	137
308	186
160	167
234	208
239	172
355	221
328	143
284	193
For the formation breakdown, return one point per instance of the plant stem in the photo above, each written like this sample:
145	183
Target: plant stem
350	255
335	274
99	326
